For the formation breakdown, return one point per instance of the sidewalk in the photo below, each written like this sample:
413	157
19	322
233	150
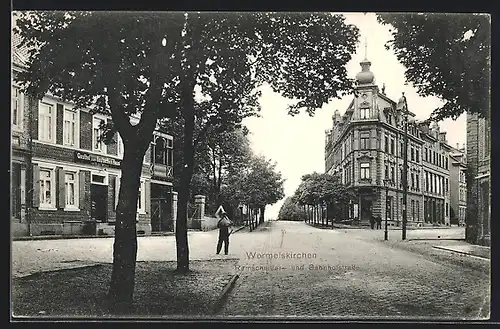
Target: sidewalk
61	237
468	249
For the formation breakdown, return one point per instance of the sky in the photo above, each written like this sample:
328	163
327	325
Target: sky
297	143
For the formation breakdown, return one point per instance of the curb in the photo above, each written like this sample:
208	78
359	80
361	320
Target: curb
225	292
238	229
460	252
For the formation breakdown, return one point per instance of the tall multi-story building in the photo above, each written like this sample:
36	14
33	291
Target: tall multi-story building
458	186
66	180
365	147
478	218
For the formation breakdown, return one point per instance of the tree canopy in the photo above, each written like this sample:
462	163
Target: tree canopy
445	55
290	210
319	188
199	70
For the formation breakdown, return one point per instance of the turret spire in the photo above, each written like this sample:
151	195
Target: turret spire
366	48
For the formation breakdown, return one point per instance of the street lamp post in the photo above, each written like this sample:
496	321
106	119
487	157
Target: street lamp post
387	183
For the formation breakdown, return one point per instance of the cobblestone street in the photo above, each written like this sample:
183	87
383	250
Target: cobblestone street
340	273
349	275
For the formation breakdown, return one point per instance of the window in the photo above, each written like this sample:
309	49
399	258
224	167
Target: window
47	186
364	113
401	149
401	177
46	123
417	156
365	170
386	171
418	210
97	131
412	152
364	141
413	209
70	129
16	107
446	209
425	154
446	185
446	163
417	179
392	147
119	145
426	181
392	175
386	144
71	190
412	181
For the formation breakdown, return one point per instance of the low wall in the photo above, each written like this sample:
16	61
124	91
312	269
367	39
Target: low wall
209	223
194	223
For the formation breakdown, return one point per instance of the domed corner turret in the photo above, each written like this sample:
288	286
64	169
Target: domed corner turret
365	76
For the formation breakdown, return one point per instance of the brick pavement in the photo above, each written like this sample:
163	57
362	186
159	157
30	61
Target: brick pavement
365	279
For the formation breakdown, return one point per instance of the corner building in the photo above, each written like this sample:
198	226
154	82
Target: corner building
66	181
365	146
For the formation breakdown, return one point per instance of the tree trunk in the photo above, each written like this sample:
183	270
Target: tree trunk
262	209
185	182
121	288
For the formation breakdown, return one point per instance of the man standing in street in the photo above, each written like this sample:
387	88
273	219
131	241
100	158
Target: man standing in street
379	222
224	224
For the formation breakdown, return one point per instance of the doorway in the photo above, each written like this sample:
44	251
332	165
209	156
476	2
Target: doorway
99	202
366	208
161	208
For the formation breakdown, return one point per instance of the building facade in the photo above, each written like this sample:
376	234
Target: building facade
478	218
365	147
458	186
65	179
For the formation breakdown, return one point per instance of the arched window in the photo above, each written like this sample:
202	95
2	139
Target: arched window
160	150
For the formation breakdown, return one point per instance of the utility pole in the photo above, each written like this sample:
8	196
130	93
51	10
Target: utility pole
29	167
403	105
405	169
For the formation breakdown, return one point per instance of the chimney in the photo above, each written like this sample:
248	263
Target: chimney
442	137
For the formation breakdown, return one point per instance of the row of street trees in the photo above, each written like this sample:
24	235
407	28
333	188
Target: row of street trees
200	71
322	198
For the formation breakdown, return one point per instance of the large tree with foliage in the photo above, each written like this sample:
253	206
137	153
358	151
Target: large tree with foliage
445	55
290	210
155	64
261	185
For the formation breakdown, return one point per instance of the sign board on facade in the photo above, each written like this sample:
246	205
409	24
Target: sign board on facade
96	159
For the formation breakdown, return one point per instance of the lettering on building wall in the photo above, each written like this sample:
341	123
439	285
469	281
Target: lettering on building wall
96	159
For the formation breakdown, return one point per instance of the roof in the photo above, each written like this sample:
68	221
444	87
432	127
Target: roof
20	55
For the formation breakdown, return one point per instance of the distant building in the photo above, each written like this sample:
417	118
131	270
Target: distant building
478	228
458	186
365	146
66	181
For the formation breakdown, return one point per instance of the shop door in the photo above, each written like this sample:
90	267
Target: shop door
99	202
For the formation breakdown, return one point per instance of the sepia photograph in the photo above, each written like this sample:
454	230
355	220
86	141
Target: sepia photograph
250	165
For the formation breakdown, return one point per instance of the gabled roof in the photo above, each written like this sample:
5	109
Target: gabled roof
20	55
